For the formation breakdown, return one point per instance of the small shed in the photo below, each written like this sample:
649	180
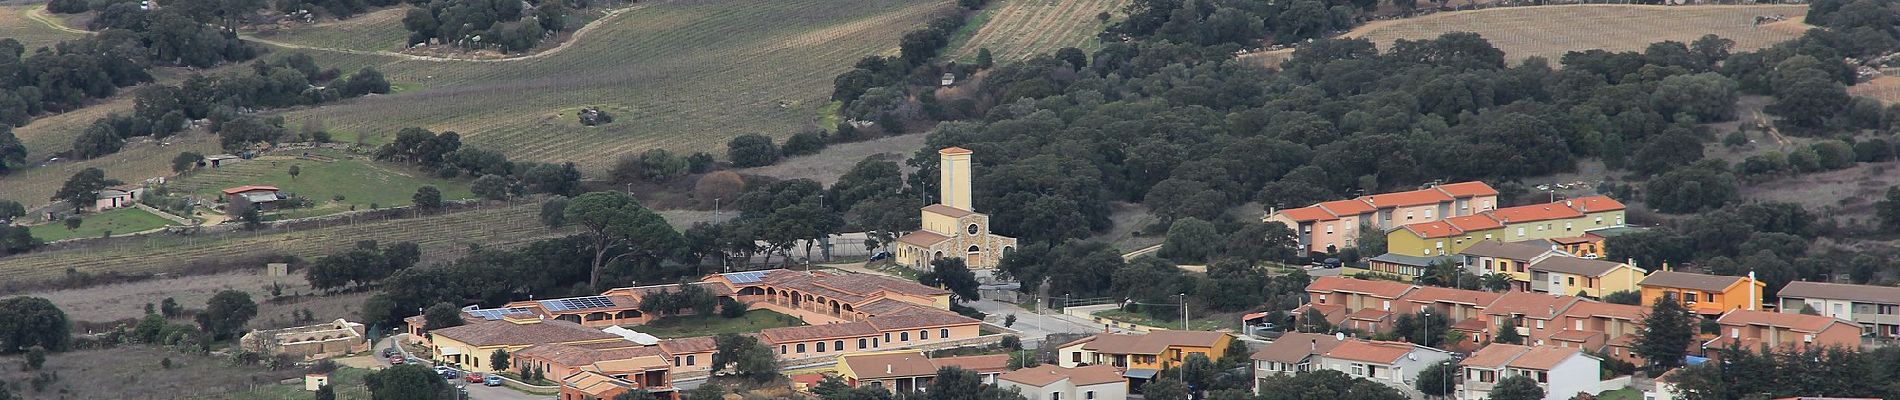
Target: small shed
217	160
277	269
949	79
258	195
312	382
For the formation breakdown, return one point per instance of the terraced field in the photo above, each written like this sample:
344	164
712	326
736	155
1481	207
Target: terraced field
441	237
1018	29
16	24
683	75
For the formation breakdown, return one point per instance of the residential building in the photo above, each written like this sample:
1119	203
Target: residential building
1750	329
1355	294
1607	328
1052	382
952	227
310	342
910	371
1408	267
1565	225
1142	355
1455	304
1392	363
1876	308
1574	276
1292	353
1535	315
1705	294
118	197
261	196
1588	245
693	354
1562	372
1514	259
1443	237
648	366
590	385
1564	218
905	330
1329	226
469	346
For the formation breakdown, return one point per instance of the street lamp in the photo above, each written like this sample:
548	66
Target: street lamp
1184	317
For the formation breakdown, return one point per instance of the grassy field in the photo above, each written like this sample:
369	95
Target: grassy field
118	222
14	23
322	177
135	372
442	237
1018	29
1550	31
348	383
378	30
708	325
684	75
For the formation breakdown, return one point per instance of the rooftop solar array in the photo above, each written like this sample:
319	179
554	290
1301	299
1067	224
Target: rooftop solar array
577	303
745	277
496	313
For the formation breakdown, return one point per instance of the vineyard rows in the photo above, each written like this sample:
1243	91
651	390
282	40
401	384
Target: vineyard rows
1020	29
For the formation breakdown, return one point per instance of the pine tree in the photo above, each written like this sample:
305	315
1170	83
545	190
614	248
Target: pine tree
1508	334
1665	335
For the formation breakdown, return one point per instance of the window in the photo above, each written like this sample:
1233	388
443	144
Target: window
904	336
972	229
1359	370
1543	377
1089	395
923	334
1887	309
1322	300
1075	357
1566	225
781	349
943	333
1540	324
1520	231
860	343
690	360
1487	376
1619	220
887	337
676	361
1428	214
801	348
1487	236
821	347
1599	220
1408	215
1329	229
837	345
1570	281
1055	395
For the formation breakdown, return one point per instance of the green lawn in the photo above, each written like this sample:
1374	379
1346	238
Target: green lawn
119	222
708	325
322	178
348	383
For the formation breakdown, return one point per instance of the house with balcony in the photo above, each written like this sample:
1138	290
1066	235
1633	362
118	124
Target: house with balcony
1513	259
1535	316
908	371
1750	329
1140	356
1573	276
1052	382
1327	227
1705	294
1355	294
1875	308
590	385
1566	218
1443	237
1292	353
1561	371
468	346
1606	328
1391	363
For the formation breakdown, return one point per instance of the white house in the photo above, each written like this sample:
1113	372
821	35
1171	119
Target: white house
118	197
1051	382
1393	363
1561	371
1291	353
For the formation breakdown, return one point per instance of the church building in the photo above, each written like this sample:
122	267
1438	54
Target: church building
952	227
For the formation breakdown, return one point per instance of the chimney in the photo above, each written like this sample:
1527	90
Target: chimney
1752	296
1553	309
953	166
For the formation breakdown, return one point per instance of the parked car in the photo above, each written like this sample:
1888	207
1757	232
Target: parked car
473	377
389	352
880	255
492	381
450	374
396	360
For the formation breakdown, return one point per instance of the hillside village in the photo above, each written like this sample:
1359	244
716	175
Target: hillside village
949	200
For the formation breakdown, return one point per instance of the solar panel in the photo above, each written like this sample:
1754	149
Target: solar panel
577	303
746	277
496	313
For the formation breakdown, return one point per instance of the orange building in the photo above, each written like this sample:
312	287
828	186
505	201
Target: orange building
1748	329
1705	294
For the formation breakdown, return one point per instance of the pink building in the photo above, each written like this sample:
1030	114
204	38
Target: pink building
1330	226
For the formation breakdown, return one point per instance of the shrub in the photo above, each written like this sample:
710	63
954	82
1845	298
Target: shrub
752	150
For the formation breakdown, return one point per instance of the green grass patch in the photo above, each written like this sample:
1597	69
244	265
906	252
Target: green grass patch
828	116
708	325
1621	394
976	22
119	222
1143	319
346	381
322	178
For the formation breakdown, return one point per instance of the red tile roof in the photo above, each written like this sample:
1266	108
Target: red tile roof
247	188
1347	207
1795	322
1434	294
1434	229
889	365
921	319
1590	309
1467	189
1307	214
981	364
923	238
1533	213
1544	357
1045	374
1474	222
1154	342
1407	199
1532	305
1688	280
1384	289
954	150
1594	204
697	344
1494	356
1369	314
1294	346
1499	355
947	211
815	332
521	333
1572	335
1371	351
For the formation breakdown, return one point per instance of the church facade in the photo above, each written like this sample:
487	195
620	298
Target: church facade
952	227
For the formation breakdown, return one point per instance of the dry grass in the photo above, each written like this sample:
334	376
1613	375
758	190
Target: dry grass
1551	31
828	165
377	30
1018	29
15	24
127	300
1883	88
134	372
1850	192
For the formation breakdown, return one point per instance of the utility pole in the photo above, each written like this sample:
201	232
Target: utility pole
1184	317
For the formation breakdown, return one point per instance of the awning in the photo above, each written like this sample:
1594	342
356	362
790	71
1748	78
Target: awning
1253	316
1140	373
448	351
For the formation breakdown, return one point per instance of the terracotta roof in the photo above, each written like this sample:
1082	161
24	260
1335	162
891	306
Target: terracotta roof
1474	222
922	238
888	365
247	188
1334	313
571	355
631	364
1434	229
1685	280
594	384
980	364
1369	314
1496	249
1294	347
1532	305
922	319
1624	340
815	332
1572	335
1544	357
1533	213
698	344
1154	342
1406	199
1585	238
1385	289
1594	204
1795	322
717	289
1576	266
954	150
1494	356
1045	374
947	211
1346	207
521	333
1371	351
1467	189
865	284
1469	324
1587	309
1434	294
1304	214
884	306
1842	291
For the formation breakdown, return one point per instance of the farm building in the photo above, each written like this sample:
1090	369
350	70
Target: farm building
258	195
118	197
330	339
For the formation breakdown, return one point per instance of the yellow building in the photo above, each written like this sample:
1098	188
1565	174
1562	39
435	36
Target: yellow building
952	227
1574	276
469	346
1443	237
1513	259
1141	356
1705	294
1566	220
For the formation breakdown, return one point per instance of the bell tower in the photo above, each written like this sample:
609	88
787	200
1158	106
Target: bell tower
954	178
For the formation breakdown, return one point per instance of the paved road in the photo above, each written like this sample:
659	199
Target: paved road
1033	326
475	390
